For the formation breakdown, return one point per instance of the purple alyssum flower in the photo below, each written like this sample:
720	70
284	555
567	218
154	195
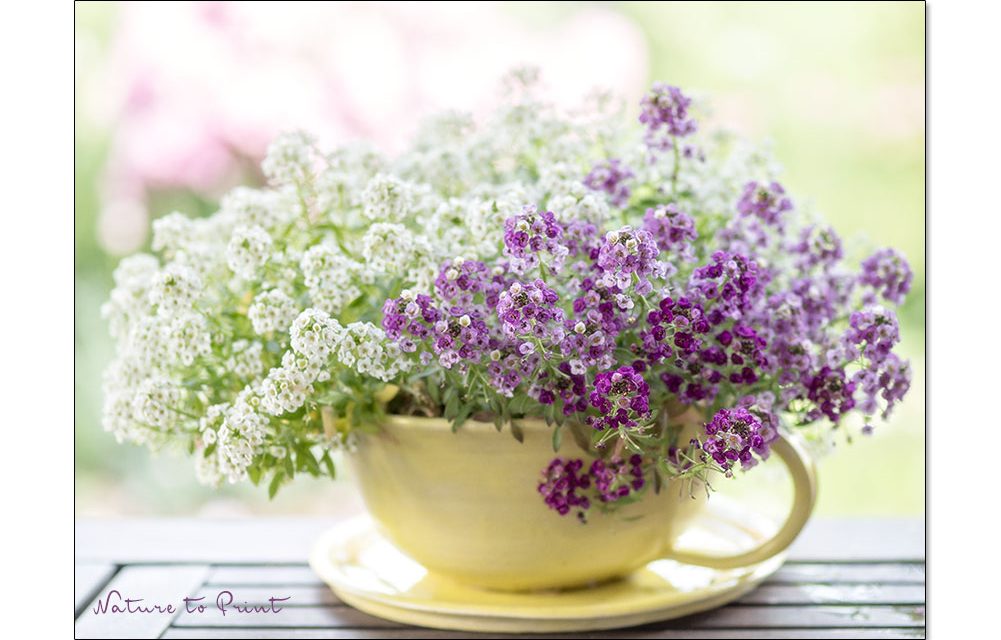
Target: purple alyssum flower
567	487
568	386
621	399
664	112
617	478
701	350
672	230
817	246
528	312
734	435
887	273
831	393
611	177
889	381
531	234
454	333
768	203
563	484
872	333
460	281
507	368
627	253
731	284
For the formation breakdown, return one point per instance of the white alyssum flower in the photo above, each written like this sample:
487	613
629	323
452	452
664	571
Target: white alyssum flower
248	250
589	207
127	303
214	416
157	401
120	382
240	437
185	338
207	469
246	359
172	232
364	347
175	288
289	159
315	336
392	249
288	387
272	311
330	277
388	199
340	185
270	210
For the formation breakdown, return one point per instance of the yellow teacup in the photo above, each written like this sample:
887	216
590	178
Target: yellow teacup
465	505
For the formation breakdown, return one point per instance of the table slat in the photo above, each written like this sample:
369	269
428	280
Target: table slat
264	575
299	596
732	617
154	585
865	573
87	579
858	594
768	594
290	617
791	573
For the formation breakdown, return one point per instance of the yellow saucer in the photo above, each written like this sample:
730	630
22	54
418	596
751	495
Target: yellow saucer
368	573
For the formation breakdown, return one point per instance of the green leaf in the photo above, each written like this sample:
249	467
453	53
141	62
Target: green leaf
517	432
289	467
578	435
254	473
518	404
464	412
452	406
209	450
557	437
306	456
276	483
329	464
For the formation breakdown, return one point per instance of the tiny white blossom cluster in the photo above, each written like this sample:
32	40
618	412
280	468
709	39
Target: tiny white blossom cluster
252	337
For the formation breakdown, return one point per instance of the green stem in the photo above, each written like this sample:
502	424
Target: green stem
677	166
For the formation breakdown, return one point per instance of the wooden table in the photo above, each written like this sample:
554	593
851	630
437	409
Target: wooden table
844	579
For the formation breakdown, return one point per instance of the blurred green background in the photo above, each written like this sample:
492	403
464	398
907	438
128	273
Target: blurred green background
837	88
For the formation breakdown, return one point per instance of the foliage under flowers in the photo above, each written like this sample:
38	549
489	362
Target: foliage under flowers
535	266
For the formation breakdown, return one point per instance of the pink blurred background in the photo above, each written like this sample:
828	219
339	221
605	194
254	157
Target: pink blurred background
196	90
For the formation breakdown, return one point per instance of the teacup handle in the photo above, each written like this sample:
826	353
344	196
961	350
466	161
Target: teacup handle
804	479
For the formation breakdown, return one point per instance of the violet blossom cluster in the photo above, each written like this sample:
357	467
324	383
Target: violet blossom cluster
566	485
750	317
530	235
735	435
630	254
664	112
591	286
672	229
768	202
612	177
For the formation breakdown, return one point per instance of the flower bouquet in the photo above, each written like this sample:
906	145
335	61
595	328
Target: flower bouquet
646	301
